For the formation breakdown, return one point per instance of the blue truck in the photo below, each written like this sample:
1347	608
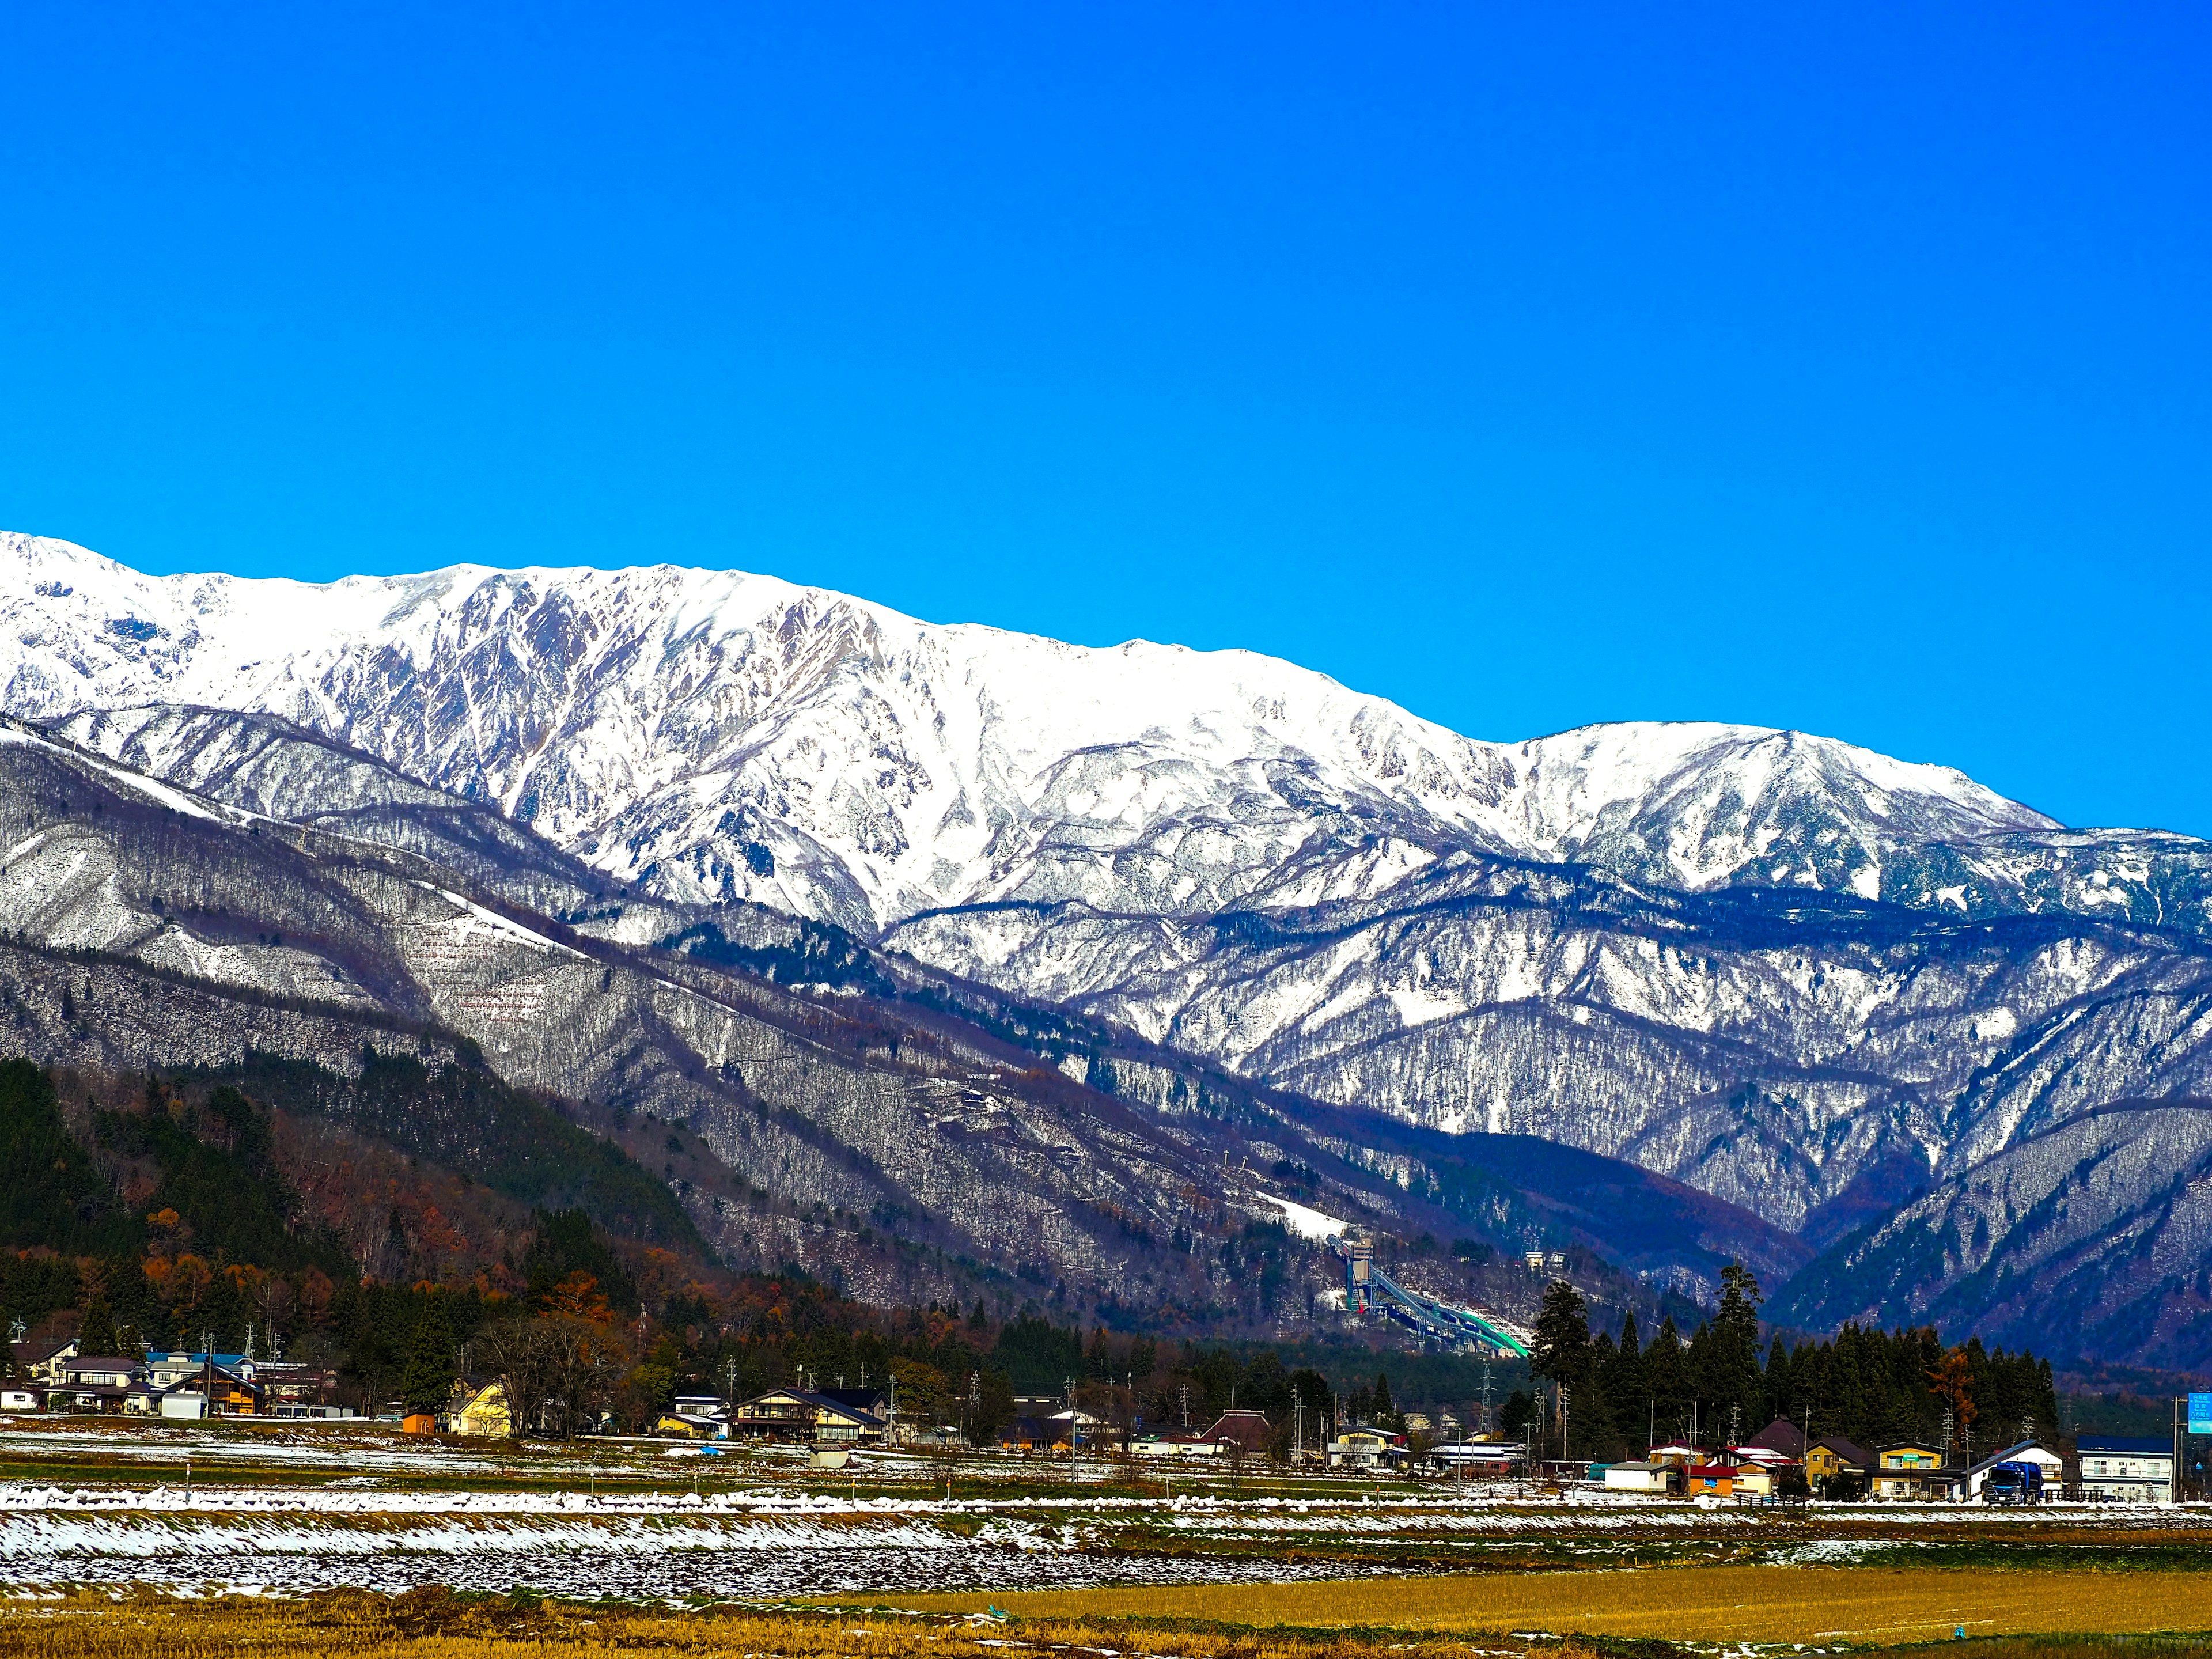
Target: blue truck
2013	1483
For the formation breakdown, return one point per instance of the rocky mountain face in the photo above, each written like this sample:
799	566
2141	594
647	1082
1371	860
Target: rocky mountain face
1808	979
915	1141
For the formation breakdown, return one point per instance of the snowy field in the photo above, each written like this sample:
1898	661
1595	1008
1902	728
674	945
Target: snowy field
750	1545
287	1509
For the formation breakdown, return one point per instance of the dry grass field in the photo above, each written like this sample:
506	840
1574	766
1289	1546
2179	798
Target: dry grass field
1398	1620
434	1625
1861	1606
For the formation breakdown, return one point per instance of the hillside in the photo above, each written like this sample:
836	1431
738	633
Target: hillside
1809	980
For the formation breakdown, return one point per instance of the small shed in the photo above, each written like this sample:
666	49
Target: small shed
1643	1476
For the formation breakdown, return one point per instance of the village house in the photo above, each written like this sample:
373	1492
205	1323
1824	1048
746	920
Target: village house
35	1361
1363	1448
1643	1476
2026	1451
1832	1463
1911	1469
2123	1468
1486	1457
1779	1442
1246	1433
481	1412
1071	1428
90	1382
802	1416
1176	1445
1727	1481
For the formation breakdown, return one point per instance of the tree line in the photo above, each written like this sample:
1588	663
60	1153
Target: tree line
1605	1397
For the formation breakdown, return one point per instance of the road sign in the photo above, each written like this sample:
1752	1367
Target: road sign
2200	1413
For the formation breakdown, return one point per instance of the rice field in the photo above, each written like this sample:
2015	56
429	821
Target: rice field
1876	1606
436	1624
1704	1614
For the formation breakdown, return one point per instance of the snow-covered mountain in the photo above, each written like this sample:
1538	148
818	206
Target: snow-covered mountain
1803	976
713	735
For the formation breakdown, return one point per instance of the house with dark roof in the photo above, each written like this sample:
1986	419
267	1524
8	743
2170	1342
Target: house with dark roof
805	1416
2126	1468
1833	1462
35	1361
1242	1433
1782	1436
90	1382
1913	1470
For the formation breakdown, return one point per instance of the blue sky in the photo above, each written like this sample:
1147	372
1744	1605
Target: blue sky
1849	369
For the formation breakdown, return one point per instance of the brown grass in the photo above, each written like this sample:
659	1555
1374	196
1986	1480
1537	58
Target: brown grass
1864	1606
2026	1613
435	1625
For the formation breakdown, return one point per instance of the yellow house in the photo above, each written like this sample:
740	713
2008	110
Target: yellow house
1909	1469
1832	1457
484	1414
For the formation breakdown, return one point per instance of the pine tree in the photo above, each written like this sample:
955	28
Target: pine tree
1729	1371
1385	1413
1563	1336
430	1382
1621	1375
96	1335
1666	1381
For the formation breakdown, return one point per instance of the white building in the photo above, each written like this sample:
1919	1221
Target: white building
2027	1451
1643	1477
1175	1445
2126	1468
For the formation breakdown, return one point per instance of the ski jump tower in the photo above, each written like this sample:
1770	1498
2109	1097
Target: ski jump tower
1368	1289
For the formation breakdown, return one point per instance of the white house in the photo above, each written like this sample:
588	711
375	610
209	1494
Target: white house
2126	1468
2027	1451
1176	1445
1487	1456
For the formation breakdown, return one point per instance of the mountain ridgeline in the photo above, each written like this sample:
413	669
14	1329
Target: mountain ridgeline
948	961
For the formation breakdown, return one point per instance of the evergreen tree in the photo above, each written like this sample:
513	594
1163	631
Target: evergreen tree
1565	1355
1621	1375
1667	1382
1729	1376
96	1335
1517	1415
1385	1414
430	1382
1563	1335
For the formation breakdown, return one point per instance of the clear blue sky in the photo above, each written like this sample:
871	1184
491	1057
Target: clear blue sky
1847	368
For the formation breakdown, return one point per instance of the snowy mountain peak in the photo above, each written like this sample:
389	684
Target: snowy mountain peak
716	735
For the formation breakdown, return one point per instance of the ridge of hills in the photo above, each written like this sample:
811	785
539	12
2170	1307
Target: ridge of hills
919	1140
1819	985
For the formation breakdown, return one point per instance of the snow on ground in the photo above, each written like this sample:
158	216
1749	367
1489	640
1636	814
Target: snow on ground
1304	1222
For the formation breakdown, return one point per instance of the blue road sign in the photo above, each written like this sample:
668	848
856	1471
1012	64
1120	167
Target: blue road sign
2200	1413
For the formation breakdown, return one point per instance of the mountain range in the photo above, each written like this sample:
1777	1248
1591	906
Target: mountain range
638	833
